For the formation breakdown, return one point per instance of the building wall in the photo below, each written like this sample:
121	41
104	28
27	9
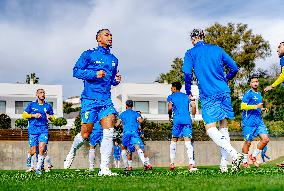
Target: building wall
27	92
13	153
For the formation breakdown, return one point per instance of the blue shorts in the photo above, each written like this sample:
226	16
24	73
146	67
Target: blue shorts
251	132
96	136
216	108
182	130
34	139
91	112
131	139
116	157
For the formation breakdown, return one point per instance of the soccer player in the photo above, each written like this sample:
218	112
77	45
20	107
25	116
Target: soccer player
38	113
280	79
208	63
98	70
178	109
252	122
131	120
95	139
116	154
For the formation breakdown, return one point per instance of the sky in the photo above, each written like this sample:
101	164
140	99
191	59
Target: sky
47	37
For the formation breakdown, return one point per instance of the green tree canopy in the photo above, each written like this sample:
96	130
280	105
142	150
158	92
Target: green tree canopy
32	79
5	121
59	122
21	123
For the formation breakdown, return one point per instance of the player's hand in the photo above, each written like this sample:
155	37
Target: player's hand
171	120
48	116
191	97
37	115
268	88
265	110
118	77
260	105
101	74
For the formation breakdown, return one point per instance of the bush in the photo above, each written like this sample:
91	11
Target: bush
22	123
59	122
5	121
77	124
276	128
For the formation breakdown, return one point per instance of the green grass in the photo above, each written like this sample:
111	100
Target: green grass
268	177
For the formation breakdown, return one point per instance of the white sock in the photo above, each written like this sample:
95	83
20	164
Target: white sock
245	158
48	160
173	151
147	160
256	152
33	160
77	143
124	158
106	147
224	153
92	158
141	155
129	163
189	148
118	164
39	162
221	141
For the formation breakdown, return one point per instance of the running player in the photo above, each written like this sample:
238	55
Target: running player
208	63
38	113
98	69
116	154
252	122
178	109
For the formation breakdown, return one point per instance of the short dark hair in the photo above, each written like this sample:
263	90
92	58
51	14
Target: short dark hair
252	77
177	85
39	90
129	103
99	32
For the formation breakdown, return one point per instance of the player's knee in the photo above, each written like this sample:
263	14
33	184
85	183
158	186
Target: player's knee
86	135
247	143
33	151
265	140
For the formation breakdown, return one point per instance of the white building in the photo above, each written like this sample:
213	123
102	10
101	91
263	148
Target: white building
75	100
14	98
149	99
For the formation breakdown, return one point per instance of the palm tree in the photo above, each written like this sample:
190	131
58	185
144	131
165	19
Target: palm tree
32	79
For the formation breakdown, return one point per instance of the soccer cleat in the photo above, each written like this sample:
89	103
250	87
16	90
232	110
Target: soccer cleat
246	165
280	164
148	167
106	172
29	162
31	169
48	168
223	169
38	172
254	161
172	166
68	161
236	163
130	168
192	168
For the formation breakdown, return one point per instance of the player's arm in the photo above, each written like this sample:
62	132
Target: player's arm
49	114
27	114
140	119
170	110
118	123
279	80
80	70
231	64
116	76
193	108
187	71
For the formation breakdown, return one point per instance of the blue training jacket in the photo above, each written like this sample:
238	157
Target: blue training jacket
208	63
91	61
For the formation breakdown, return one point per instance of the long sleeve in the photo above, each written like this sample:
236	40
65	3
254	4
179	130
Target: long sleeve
114	72
280	79
245	106
80	70
230	63
187	70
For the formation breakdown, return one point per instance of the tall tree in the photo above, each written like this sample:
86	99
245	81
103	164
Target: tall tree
32	79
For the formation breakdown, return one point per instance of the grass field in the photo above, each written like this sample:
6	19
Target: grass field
268	177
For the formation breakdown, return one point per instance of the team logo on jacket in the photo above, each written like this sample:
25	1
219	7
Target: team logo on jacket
113	63
45	110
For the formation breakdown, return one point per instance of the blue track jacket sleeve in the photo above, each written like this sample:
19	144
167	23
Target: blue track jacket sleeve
80	70
230	63
114	72
187	70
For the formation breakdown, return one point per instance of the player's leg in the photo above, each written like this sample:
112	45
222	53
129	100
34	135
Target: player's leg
124	156
176	131
264	139
248	134
43	140
187	135
223	128
129	160
107	124
245	151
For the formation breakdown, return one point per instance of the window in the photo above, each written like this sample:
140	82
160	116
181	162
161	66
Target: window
162	107
2	106
20	106
142	106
